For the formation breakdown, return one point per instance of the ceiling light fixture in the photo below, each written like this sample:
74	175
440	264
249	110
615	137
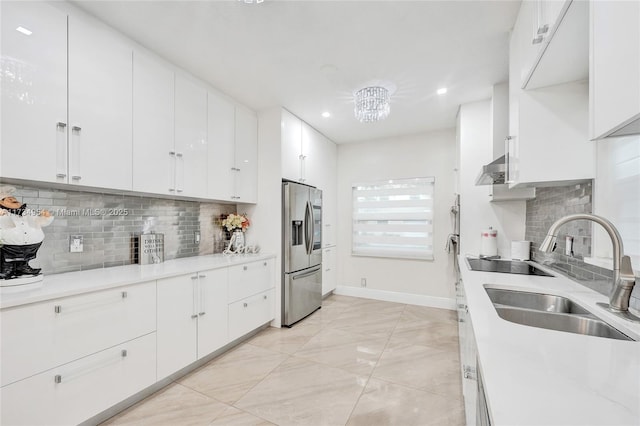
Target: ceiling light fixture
326	114
372	104
442	91
251	1
24	31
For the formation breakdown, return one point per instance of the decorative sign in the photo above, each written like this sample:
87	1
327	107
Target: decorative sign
150	249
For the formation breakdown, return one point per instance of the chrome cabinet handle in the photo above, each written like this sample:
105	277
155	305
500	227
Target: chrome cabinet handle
265	297
179	154
76	129
172	153
543	29
61	175
125	295
58	377
194	316
202	276
57	309
61	125
245	305
537	40
76	177
201	313
245	267
265	263
179	190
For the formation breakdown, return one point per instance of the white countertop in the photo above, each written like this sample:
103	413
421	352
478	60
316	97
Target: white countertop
534	376
73	283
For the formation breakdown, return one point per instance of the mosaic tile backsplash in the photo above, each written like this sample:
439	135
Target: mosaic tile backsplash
109	224
550	205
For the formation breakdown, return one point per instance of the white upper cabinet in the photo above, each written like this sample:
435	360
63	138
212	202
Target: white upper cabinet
233	151
614	68
100	105
246	156
34	92
291	149
191	154
221	116
547	126
329	188
561	29
153	125
311	154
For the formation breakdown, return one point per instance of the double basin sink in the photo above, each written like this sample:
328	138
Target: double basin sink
550	312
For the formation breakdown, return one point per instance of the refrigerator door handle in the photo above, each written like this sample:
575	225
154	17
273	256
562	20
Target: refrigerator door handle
308	217
307	274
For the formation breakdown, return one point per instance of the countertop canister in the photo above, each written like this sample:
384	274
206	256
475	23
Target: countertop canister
520	250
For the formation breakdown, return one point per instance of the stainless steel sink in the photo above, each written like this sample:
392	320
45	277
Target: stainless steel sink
561	322
536	301
550	312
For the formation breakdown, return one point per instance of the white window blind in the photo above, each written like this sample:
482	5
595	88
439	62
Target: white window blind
394	218
617	195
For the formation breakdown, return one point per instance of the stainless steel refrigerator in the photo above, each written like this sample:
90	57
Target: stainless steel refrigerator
301	251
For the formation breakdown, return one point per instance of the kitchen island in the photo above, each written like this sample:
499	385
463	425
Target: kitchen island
535	376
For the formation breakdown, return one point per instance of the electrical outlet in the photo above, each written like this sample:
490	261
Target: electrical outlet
75	244
196	237
363	282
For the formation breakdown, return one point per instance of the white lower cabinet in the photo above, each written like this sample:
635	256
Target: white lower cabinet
44	335
251	278
329	272
192	318
468	356
250	313
76	391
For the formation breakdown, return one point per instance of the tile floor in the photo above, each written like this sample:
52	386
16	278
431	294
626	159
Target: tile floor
354	362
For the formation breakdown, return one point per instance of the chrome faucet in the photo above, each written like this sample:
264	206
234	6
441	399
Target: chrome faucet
623	276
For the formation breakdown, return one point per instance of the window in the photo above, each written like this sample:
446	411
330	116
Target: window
394	218
617	195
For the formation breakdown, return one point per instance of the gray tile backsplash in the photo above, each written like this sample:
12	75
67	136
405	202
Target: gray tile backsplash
109	223
550	205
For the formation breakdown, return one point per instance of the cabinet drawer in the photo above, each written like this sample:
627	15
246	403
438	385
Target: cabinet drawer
248	314
250	278
41	336
79	390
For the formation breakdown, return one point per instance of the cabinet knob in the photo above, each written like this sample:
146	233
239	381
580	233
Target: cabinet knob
265	297
245	267
265	263
245	305
123	353
57	309
124	294
57	378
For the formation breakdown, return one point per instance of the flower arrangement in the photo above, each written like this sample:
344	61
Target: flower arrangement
235	221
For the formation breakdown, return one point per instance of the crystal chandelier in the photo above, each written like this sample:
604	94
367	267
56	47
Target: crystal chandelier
371	104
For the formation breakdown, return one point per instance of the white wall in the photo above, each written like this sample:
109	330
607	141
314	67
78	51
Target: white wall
265	229
476	210
422	282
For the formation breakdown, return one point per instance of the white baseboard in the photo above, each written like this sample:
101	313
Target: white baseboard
392	296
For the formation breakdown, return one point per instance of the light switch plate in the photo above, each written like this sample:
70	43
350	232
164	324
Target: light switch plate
75	244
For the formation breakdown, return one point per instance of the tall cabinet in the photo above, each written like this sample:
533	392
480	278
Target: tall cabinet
310	157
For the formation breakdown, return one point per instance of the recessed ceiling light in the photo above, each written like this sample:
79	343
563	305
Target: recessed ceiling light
442	91
24	31
326	114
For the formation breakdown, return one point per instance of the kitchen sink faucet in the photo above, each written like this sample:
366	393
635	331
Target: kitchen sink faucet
623	276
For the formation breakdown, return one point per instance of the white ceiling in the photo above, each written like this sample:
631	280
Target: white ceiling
310	56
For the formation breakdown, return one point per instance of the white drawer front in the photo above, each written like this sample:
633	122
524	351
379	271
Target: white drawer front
251	278
41	336
248	314
79	390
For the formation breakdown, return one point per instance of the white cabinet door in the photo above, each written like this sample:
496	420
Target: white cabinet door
614	65
312	162
100	105
248	314
291	149
251	278
177	323
246	156
221	140
212	312
34	92
329	272
190	138
329	186
75	392
546	126
153	103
